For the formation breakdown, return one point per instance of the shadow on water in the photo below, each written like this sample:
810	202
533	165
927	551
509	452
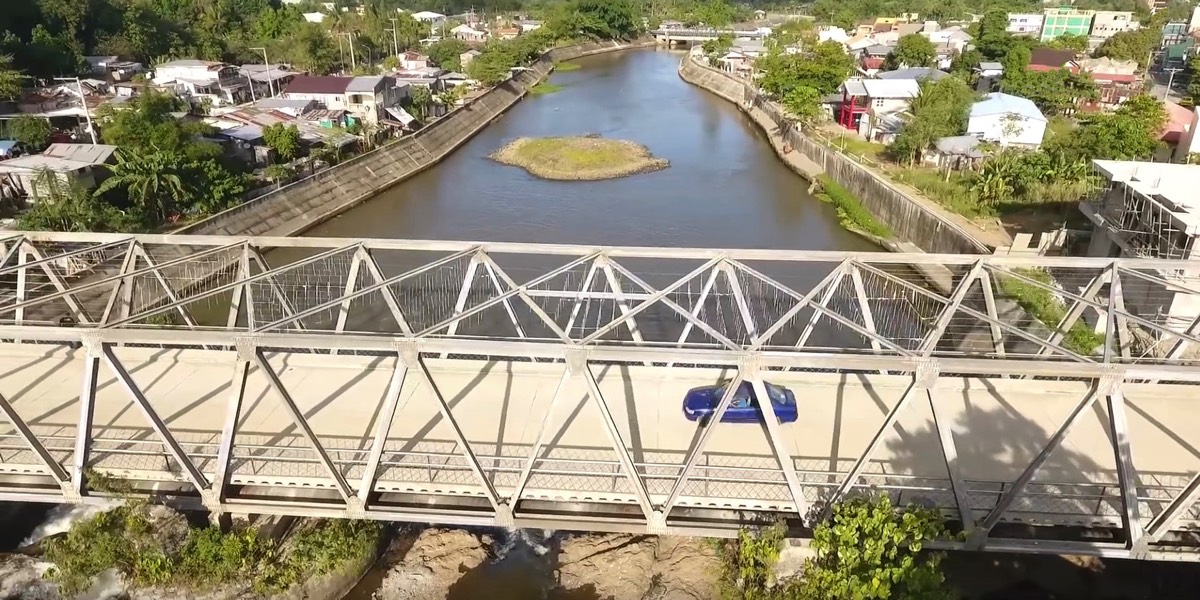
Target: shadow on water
525	569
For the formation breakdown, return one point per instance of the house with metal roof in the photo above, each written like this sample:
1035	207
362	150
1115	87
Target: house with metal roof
866	103
916	73
1007	120
69	164
365	98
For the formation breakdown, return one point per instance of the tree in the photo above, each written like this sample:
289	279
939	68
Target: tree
1074	43
823	68
913	50
421	99
63	207
718	47
803	103
1130	133
151	181
940	109
34	132
869	550
1130	45
10	77
1054	92
1193	77
994	41
447	53
283	139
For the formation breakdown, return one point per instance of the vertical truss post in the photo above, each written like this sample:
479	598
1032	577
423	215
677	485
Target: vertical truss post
953	469
233	411
248	288
460	303
1126	472
543	431
512	315
706	430
239	292
864	306
83	431
503	512
22	282
925	378
697	306
622	304
53	469
823	302
584	289
172	446
383	425
128	265
1077	308
979	539
1116	300
578	364
783	455
929	345
351	283
301	423
989	300
739	297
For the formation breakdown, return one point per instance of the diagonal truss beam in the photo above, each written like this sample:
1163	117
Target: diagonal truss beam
778	447
383	427
543	432
952	306
53	468
706	430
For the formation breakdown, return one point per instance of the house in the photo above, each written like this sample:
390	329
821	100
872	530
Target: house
858	43
1107	23
866	101
365	98
294	107
506	33
917	73
112	67
413	60
70	164
428	16
1025	23
988	76
832	33
1116	80
467	33
268	80
428	78
527	26
465	58
947	44
1049	59
1065	21
955	152
735	62
1007	120
314	17
871	60
198	80
1177	136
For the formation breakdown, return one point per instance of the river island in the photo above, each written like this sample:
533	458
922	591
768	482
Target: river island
578	158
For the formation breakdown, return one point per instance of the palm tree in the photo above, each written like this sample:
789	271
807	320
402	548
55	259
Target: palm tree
150	180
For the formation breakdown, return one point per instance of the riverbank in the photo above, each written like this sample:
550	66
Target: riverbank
915	221
302	205
578	158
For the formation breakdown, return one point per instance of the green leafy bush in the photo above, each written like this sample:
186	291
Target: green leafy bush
851	213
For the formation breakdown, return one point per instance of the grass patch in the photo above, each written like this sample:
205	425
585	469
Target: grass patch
954	193
851	213
544	87
857	147
566	67
1044	306
136	542
583	158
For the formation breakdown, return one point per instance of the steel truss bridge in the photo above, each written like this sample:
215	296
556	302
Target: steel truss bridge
540	385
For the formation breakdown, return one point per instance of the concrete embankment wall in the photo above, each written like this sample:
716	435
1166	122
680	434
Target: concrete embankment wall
310	201
908	218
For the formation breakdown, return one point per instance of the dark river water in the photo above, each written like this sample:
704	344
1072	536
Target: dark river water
725	188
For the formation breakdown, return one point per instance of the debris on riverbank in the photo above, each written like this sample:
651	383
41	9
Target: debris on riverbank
579	158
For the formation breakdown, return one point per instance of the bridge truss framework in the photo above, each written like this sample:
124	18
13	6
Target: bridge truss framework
758	314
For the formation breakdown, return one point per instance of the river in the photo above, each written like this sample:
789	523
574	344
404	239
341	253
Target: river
725	188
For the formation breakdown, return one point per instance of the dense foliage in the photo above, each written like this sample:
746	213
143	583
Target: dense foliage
125	538
913	50
939	110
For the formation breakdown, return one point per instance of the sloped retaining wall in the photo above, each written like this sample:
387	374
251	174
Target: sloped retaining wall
310	201
908	218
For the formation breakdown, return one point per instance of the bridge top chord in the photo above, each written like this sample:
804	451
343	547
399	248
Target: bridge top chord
728	303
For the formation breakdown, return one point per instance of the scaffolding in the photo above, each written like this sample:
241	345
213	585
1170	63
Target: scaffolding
1147	223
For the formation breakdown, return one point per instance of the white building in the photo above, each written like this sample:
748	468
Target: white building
832	33
413	60
1107	23
428	16
314	17
1007	120
467	33
1025	23
197	80
365	98
884	100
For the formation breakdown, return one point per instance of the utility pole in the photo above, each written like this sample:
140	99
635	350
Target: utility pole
270	80
395	39
1170	80
353	62
87	112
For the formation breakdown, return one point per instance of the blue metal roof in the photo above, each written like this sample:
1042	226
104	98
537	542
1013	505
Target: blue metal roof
999	103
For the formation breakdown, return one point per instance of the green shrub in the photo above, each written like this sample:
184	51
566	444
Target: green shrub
851	213
1044	306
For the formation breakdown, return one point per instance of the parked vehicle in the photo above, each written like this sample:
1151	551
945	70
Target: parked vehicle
700	403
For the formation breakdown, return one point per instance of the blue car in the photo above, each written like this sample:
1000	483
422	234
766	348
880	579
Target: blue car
700	403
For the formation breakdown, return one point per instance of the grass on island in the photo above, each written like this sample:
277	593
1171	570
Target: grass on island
564	67
583	158
544	87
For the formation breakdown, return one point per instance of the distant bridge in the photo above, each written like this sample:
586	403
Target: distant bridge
535	385
703	34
